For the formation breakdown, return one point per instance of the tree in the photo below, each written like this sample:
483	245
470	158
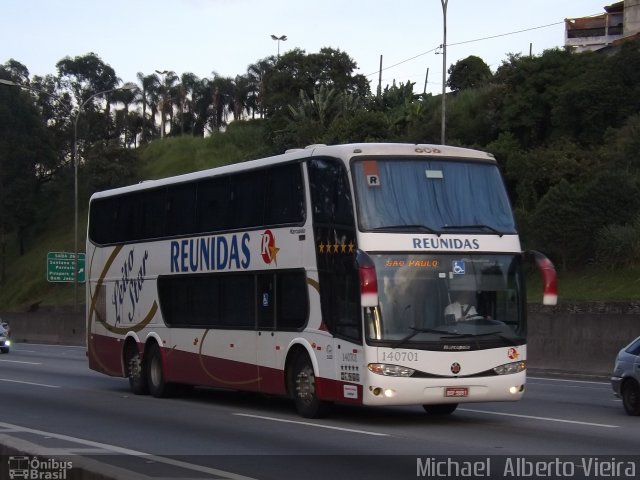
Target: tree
241	93
297	71
189	86
222	101
149	84
109	167
84	76
169	97
127	98
17	71
470	72
201	104
556	223
24	145
255	74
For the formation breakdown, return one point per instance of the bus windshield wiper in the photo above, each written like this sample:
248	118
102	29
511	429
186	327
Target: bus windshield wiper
407	227
417	330
474	226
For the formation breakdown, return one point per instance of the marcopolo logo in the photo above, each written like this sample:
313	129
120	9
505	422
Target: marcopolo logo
34	468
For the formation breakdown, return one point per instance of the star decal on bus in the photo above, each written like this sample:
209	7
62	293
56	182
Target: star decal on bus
329	248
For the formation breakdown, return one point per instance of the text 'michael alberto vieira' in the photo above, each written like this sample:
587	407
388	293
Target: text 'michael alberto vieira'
523	467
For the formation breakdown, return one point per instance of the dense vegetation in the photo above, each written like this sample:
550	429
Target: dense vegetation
564	127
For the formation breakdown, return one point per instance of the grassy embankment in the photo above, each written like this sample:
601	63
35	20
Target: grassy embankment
26	285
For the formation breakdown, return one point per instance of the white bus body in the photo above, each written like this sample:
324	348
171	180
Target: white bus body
322	274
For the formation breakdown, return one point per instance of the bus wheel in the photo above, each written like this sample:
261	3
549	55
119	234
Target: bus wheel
155	374
135	371
631	397
304	393
440	409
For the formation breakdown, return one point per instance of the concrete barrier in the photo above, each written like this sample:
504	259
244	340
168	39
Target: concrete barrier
54	325
579	339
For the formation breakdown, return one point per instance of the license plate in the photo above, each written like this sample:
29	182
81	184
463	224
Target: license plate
456	392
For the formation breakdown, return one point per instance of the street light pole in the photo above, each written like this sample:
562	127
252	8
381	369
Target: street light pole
278	39
444	71
74	154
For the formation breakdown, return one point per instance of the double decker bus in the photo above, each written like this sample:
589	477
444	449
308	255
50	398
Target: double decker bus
375	274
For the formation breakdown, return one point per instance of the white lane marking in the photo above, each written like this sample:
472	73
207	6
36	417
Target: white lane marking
126	451
546	419
50	345
29	383
20	361
568	380
309	424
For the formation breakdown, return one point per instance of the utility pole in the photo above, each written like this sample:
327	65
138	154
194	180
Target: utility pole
380	78
444	70
426	78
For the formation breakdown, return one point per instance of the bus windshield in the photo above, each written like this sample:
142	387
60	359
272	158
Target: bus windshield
427	301
436	196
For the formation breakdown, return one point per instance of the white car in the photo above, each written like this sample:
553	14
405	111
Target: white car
626	377
5	343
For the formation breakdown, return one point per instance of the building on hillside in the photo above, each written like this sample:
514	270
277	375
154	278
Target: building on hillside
619	23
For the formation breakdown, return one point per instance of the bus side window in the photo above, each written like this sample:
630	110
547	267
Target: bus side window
285	196
181	209
334	229
213	205
330	193
292	300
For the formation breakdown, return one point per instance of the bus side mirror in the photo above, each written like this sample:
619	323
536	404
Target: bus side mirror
368	280
549	277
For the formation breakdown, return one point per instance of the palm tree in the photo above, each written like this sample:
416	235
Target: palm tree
255	76
201	106
188	84
148	83
126	97
241	91
169	93
222	102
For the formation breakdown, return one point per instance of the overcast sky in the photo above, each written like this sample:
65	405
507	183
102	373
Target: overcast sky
225	36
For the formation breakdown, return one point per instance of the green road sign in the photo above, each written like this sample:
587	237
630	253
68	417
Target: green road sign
60	267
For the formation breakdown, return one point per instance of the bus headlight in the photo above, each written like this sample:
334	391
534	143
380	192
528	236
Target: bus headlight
390	370
509	368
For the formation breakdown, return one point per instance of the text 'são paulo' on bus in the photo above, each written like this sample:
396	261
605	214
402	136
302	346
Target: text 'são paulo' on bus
375	274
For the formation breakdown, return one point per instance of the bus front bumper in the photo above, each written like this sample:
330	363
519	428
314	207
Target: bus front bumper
386	390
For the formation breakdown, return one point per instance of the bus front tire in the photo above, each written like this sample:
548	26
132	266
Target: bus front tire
440	409
304	390
158	387
136	372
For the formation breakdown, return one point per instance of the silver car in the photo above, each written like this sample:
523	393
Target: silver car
5	343
626	377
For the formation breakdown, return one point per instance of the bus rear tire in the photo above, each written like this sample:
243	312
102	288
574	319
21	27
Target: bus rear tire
304	390
158	387
136	371
440	409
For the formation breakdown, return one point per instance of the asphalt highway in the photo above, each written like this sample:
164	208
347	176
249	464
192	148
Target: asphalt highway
52	402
